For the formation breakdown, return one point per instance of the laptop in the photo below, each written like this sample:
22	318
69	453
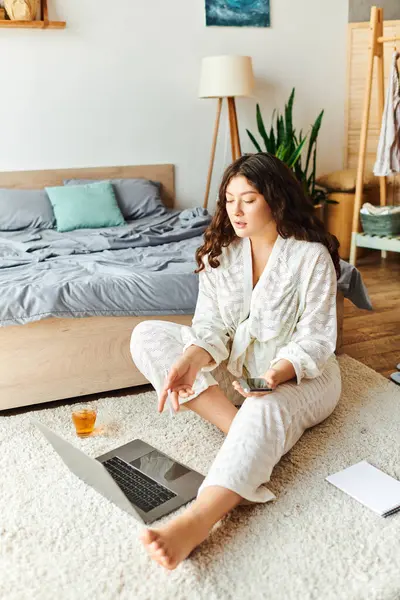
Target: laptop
136	476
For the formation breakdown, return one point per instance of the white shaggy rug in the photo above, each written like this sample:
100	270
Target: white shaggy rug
60	539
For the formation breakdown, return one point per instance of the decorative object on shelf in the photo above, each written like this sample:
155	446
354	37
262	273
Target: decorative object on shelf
225	77
340	187
382	220
22	10
284	143
41	23
238	13
2	13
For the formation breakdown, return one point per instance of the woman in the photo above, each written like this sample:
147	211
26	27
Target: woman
266	308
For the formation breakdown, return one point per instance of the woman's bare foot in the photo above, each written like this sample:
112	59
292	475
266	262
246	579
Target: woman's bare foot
171	544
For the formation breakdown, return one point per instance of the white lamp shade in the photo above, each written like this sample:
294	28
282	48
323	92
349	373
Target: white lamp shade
226	76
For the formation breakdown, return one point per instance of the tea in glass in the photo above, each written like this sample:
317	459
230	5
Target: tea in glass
84	418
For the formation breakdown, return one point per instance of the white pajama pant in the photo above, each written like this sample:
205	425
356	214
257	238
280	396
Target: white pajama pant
265	427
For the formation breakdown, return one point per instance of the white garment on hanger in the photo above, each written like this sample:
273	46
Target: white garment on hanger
388	155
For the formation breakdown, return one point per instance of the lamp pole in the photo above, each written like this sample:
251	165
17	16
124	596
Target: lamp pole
213	146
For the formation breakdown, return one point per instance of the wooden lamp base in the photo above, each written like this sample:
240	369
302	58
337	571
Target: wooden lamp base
235	140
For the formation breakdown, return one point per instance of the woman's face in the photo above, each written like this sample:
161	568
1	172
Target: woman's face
247	209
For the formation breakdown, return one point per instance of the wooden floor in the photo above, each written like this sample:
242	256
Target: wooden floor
373	337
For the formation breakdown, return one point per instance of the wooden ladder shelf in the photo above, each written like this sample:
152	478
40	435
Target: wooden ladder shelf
377	242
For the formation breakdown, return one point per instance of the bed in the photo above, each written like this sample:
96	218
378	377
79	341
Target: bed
57	357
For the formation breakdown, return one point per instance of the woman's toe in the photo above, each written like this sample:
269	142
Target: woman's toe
154	546
151	540
168	563
149	537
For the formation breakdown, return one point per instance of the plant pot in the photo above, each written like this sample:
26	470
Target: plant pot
21	10
339	219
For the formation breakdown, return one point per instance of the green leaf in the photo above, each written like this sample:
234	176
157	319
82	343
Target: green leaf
253	139
261	128
283	152
272	137
313	137
314	171
289	116
297	166
296	154
281	130
280	151
272	141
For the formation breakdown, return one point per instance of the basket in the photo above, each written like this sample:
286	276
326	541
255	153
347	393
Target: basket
388	225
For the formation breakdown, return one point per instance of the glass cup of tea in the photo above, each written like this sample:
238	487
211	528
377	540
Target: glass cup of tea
84	418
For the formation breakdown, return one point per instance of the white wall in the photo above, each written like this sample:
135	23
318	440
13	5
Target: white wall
119	85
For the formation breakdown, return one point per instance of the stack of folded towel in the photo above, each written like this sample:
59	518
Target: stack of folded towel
370	209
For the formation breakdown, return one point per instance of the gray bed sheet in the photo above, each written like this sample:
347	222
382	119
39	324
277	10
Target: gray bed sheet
143	268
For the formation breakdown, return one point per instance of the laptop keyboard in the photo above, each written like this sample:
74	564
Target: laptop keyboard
141	490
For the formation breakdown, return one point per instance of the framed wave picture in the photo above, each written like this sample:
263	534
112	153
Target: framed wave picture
238	13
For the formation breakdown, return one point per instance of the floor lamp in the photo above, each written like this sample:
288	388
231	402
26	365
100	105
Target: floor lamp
225	77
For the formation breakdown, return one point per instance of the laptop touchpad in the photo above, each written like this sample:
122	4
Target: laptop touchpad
159	466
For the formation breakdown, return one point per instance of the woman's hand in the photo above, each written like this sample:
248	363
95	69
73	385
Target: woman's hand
272	379
179	381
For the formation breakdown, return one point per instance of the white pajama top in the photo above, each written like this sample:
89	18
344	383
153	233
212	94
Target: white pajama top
290	313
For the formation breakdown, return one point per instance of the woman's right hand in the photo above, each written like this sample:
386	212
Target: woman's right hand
179	381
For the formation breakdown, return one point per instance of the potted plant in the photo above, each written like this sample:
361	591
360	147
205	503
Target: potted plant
282	141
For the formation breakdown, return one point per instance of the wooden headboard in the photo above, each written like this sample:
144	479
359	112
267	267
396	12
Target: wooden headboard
165	174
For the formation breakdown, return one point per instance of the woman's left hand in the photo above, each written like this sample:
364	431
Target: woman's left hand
272	379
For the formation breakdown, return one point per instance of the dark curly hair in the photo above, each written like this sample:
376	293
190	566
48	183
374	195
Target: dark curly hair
292	211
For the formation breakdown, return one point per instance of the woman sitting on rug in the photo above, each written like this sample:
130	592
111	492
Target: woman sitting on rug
266	308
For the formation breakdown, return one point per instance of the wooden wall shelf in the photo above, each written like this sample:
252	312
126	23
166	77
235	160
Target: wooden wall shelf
43	24
34	24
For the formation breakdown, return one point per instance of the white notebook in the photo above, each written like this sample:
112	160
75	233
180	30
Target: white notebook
370	486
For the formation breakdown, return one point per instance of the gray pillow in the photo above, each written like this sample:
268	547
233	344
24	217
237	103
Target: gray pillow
20	209
137	198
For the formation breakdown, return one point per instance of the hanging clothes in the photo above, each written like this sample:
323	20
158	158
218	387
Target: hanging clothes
388	155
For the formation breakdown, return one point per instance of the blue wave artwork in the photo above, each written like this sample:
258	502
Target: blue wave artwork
238	13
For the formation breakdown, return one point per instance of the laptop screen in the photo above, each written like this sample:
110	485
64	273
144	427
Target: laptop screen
160	467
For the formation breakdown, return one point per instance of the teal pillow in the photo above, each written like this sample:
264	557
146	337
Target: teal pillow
85	206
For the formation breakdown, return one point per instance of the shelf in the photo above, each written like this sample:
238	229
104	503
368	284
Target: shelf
34	24
378	242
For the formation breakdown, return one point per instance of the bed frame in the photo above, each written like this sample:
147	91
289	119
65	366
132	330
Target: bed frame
55	359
